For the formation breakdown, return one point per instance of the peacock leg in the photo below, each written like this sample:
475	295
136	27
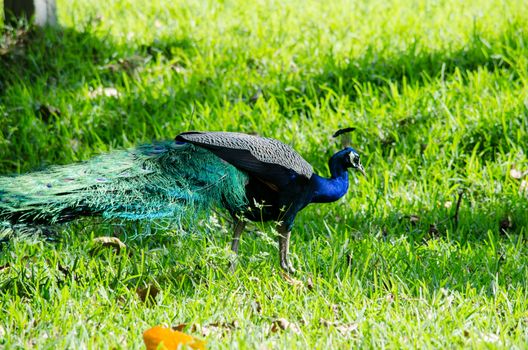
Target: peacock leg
239	227
284	247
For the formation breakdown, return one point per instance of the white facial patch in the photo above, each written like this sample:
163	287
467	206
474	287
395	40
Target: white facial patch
354	158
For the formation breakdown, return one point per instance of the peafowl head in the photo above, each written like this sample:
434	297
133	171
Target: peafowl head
347	158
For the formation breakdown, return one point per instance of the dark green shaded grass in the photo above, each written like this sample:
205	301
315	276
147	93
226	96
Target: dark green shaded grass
438	93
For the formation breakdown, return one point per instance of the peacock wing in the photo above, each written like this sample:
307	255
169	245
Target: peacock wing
272	161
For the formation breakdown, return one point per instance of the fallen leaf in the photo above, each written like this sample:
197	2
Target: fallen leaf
290	280
283	324
113	67
214	328
230	325
344	329
506	223
349	258
490	338
335	310
219	327
347	329
390	298
74	145
524	187
257	308
414	219
108	92
448	204
309	283
46	112
179	327
515	173
65	271
147	294
161	338
325	323
131	63
433	230
14	41
178	69
107	242
258	94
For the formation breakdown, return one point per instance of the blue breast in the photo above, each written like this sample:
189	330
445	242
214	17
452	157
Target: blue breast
329	190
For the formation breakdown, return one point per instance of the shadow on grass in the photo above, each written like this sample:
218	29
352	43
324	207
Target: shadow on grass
65	56
44	74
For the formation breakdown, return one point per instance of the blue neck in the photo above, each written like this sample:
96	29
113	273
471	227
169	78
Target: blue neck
330	190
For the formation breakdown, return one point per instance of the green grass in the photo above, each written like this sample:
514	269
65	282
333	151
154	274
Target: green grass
438	92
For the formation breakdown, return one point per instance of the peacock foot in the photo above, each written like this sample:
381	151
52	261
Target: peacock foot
287	266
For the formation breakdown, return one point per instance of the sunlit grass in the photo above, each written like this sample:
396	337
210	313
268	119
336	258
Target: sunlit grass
438	94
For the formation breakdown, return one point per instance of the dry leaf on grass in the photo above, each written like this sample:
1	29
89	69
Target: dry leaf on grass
524	187
433	230
147	294
283	324
46	112
215	328
414	219
105	242
179	327
297	283
161	338
221	328
107	92
344	328
516	173
491	338
256	307
325	323
506	223
14	42
290	280
347	329
335	310
309	283
390	298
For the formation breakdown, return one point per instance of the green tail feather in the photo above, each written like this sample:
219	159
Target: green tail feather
164	180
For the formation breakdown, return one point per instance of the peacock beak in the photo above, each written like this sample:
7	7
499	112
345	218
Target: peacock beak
361	169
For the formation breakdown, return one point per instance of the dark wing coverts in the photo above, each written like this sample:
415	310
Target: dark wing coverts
268	159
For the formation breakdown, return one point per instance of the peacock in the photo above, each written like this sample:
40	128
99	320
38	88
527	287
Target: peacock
254	178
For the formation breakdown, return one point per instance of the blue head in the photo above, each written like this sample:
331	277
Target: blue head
345	159
331	189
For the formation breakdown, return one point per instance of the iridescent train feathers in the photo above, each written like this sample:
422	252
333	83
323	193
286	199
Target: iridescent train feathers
163	180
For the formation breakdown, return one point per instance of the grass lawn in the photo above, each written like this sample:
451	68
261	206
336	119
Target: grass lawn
438	92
